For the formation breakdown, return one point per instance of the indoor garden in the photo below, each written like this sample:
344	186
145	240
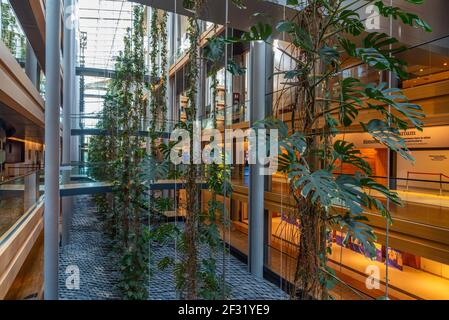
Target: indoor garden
224	158
171	220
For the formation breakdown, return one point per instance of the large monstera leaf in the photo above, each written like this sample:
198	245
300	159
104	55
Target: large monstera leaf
291	147
346	152
388	136
407	18
355	227
319	185
351	100
349	21
375	58
351	195
393	97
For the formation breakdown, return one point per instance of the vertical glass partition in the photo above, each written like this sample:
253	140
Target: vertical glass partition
18	196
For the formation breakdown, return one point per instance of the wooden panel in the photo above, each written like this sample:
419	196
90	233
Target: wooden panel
417	246
29	283
423	240
15	250
181	62
17	91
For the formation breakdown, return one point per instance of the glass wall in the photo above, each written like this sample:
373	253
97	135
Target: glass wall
11	32
17	197
423	186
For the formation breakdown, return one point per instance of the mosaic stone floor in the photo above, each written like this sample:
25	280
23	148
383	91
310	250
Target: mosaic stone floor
89	250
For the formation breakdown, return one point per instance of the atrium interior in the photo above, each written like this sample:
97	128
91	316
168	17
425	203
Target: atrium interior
224	149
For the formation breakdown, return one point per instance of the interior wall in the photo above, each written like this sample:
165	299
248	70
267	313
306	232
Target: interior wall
426	161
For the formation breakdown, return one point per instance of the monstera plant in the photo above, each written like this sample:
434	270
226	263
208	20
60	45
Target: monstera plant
323	36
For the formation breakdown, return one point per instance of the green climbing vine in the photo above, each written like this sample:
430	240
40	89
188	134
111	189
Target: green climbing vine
196	274
129	193
158	79
12	37
122	148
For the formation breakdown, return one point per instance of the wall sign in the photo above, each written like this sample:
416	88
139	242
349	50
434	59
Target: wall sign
430	137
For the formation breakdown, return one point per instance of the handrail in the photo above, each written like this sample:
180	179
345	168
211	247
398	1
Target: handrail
19	177
397	178
428	173
441	175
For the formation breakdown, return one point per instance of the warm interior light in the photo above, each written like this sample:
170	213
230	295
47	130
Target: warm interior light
18	139
445	64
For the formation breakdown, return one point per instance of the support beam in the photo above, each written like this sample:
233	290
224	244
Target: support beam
67	110
75	143
52	206
241	19
261	68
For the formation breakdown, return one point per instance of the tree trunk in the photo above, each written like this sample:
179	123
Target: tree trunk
307	277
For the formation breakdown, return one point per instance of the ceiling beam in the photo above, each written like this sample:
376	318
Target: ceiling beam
240	19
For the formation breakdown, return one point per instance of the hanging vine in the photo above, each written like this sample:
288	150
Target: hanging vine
130	195
164	70
187	271
102	154
154	75
122	148
195	275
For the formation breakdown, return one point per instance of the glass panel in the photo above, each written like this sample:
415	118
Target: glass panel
12	33
17	197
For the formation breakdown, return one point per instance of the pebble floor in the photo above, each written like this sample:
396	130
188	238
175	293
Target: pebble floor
90	251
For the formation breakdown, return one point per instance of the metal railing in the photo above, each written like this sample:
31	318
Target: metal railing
440	175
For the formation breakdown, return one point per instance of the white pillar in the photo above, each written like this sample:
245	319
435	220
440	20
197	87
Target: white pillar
67	110
52	105
149	116
1	19
261	62
74	144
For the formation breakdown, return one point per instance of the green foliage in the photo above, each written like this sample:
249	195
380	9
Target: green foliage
194	277
118	156
260	31
407	18
323	35
158	78
12	36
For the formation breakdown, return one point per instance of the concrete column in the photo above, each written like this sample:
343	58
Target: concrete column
171	36
67	110
52	103
149	116
260	70
171	101
1	31
31	65
75	143
30	191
